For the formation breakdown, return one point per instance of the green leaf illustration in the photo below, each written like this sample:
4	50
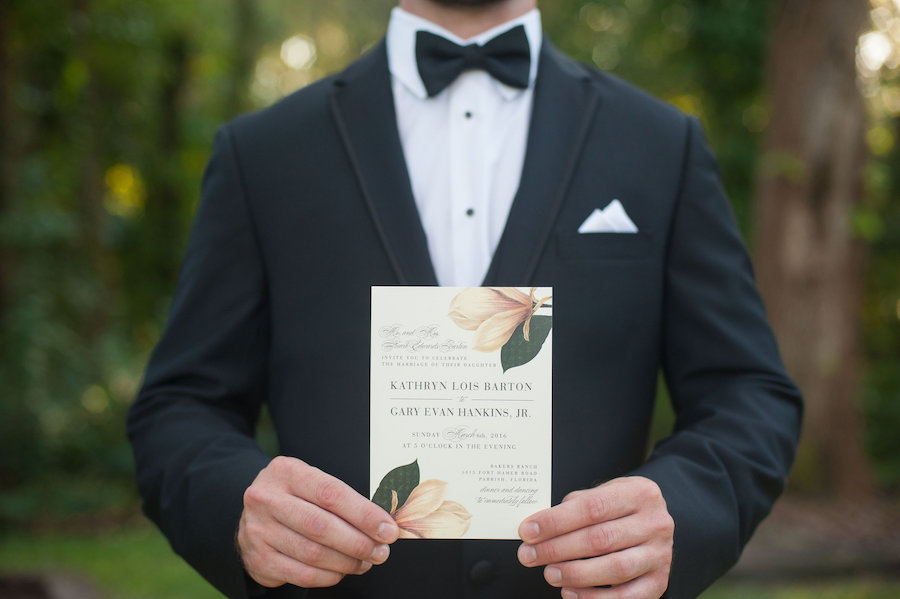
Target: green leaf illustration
402	479
517	351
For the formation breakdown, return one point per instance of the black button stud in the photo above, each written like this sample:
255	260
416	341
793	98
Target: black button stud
470	212
468	114
482	573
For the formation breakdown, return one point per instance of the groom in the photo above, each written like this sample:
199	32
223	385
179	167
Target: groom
465	150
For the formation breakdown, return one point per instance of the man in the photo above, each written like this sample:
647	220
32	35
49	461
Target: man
390	173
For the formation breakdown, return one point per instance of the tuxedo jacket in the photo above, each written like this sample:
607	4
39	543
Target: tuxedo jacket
307	204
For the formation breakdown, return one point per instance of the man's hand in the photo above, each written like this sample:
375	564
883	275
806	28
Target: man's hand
307	528
618	535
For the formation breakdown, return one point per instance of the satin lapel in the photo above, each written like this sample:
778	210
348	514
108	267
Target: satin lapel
363	105
564	105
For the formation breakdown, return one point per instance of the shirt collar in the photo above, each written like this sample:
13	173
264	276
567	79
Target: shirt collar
401	46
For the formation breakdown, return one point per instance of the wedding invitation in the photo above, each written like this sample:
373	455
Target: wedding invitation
460	410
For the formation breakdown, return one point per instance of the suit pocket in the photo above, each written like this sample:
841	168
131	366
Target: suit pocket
603	246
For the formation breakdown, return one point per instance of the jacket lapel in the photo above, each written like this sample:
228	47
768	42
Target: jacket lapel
565	102
363	106
564	105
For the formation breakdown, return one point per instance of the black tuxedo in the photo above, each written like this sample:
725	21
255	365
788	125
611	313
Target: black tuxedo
307	204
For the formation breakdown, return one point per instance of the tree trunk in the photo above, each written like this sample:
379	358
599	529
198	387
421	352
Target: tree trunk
163	212
245	46
88	117
6	125
808	260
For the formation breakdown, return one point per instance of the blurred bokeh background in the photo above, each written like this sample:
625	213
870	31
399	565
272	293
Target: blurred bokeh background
107	111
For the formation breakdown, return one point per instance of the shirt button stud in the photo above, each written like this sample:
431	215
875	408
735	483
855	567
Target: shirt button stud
468	114
470	212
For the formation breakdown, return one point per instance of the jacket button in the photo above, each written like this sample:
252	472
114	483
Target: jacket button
482	573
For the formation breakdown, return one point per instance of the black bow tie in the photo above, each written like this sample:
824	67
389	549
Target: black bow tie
507	58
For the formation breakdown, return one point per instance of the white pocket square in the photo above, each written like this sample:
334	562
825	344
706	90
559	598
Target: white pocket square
612	219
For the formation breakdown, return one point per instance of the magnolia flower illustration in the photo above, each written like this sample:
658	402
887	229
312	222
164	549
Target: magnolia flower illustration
494	313
502	317
425	514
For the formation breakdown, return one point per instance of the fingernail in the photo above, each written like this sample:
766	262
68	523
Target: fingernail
530	530
553	575
527	554
379	554
568	594
364	567
387	532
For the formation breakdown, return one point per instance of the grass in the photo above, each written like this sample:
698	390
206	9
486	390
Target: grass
133	563
837	589
137	563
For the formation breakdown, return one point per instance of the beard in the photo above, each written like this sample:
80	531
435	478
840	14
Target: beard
472	3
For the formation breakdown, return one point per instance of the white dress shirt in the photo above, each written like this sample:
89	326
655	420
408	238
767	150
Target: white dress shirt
464	147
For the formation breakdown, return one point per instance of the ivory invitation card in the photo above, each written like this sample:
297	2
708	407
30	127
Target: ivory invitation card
460	410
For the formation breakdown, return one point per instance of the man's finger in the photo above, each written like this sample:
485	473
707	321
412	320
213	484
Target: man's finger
281	568
612	569
315	524
597	539
647	587
295	546
601	504
337	497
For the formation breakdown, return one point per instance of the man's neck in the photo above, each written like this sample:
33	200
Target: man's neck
468	21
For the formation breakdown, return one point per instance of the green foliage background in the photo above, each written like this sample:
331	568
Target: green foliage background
110	107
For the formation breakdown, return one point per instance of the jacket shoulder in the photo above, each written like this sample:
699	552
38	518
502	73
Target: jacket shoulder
625	99
308	104
307	112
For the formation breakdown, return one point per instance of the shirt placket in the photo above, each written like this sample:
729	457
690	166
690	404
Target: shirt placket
467	185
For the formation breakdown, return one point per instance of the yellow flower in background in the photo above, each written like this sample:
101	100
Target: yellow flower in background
126	193
494	313
425	514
